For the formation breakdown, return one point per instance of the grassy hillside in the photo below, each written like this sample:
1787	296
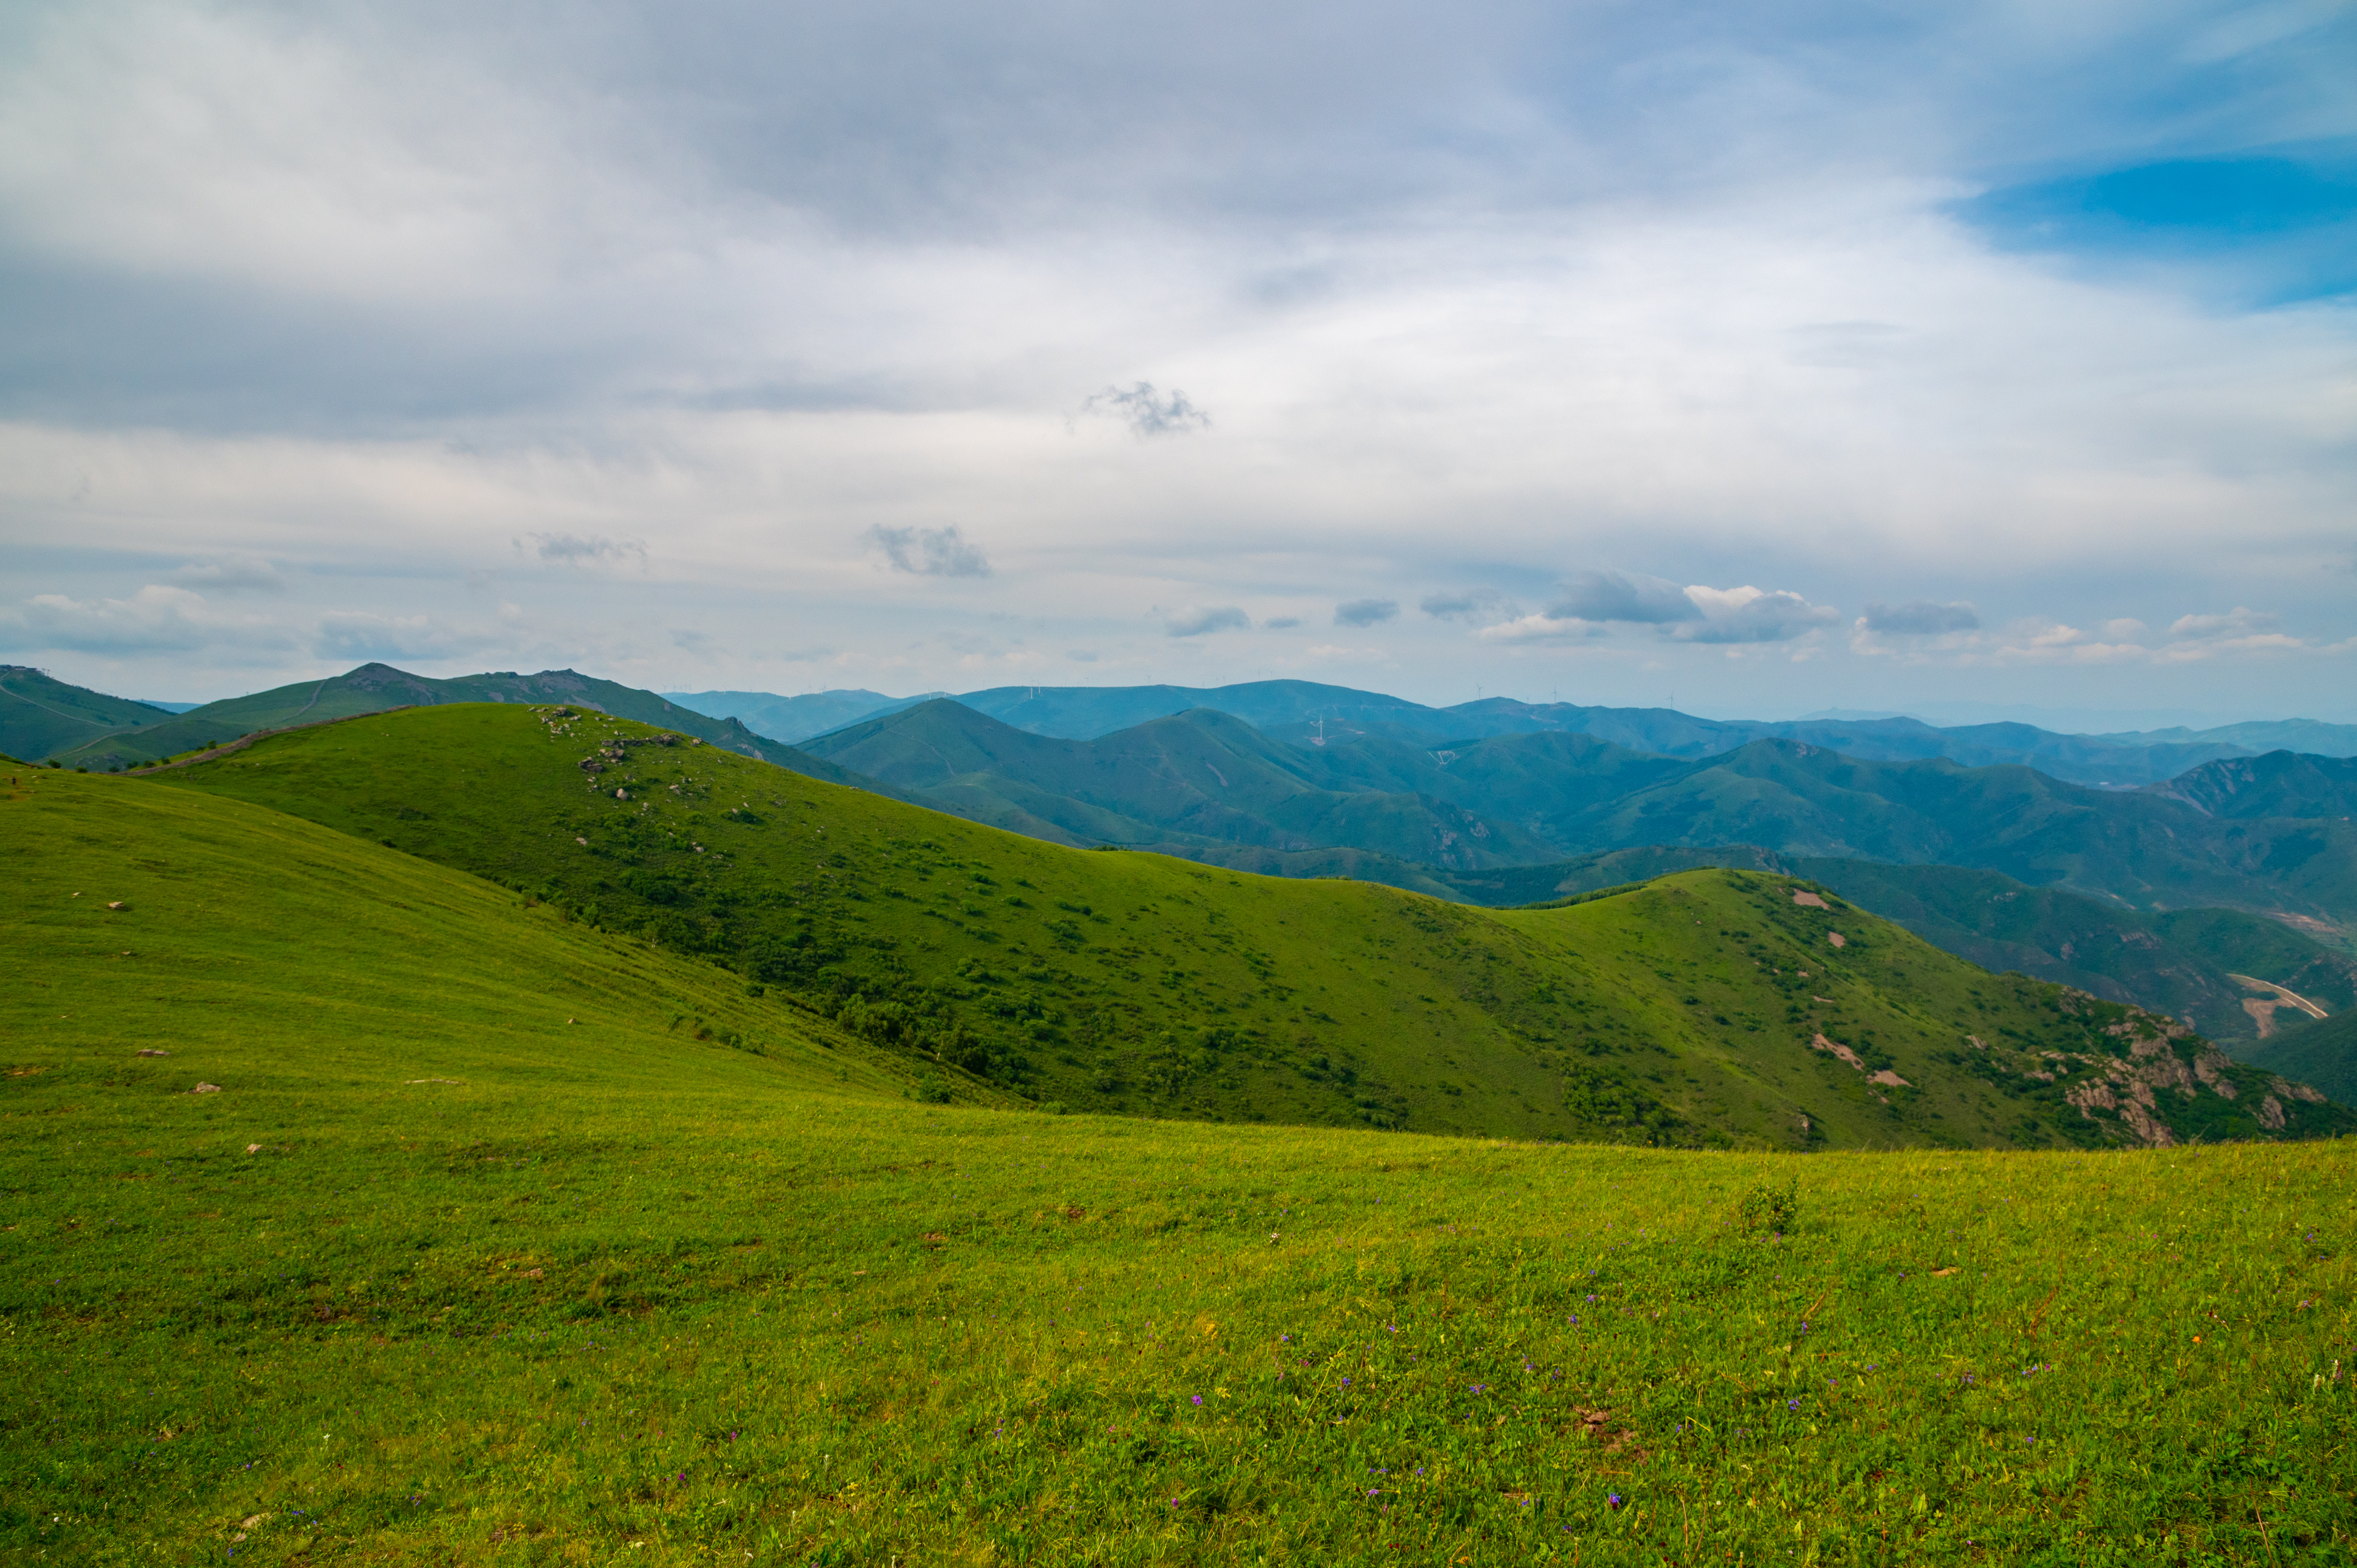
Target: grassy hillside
619	1298
2323	1053
436	1275
39	715
2182	962
1686	1014
248	948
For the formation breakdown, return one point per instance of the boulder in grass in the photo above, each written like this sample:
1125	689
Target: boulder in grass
152	1051
206	1089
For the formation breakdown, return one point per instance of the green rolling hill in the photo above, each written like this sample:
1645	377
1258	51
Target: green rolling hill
375	688
39	715
160	937
1709	1007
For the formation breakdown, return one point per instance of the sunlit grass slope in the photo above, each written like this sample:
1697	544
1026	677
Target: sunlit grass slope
607	1293
1710	1009
535	1319
253	950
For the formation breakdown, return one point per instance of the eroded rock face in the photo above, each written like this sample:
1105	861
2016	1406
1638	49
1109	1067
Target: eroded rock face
2271	1113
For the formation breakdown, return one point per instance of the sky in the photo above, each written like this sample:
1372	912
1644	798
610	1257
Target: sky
1753	360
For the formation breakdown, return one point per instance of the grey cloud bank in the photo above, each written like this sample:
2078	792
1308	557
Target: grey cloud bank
848	344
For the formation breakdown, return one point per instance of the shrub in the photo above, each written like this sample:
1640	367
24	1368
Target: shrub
932	1090
1768	1208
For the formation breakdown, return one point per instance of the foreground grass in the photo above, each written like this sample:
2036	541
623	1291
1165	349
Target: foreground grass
518	1324
438	1275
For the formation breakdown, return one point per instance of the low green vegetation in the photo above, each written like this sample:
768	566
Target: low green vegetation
1712	1008
363	1210
2323	1053
40	715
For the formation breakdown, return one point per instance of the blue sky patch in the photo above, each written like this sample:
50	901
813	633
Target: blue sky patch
2272	229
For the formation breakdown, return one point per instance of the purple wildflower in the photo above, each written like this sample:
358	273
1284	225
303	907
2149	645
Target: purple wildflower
1199	1399
1612	1499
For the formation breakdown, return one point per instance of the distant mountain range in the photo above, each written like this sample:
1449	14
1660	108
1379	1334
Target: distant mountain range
1304	711
2148	893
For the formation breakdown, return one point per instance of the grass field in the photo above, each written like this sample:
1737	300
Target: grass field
438	1276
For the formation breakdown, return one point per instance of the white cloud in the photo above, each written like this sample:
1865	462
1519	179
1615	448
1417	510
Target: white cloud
2237	623
159	618
1750	615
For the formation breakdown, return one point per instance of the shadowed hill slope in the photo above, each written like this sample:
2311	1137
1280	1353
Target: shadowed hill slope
2279	784
40	716
2323	1054
1710	1007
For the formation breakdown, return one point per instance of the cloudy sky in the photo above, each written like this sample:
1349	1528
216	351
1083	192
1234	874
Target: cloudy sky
1759	358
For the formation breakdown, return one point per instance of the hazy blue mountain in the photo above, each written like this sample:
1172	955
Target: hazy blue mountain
167	707
2279	784
792	719
2310	735
1194	782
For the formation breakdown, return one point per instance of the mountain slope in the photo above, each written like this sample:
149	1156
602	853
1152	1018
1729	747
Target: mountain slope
792	719
1198	780
1125	981
2323	1054
256	951
2141	850
1197	783
1303	712
40	717
2279	784
2182	962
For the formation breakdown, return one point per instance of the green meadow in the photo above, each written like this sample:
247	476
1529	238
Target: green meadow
500	1238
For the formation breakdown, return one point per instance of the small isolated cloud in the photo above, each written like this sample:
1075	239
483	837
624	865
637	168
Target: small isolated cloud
1280	623
1146	411
1617	595
249	573
159	618
1194	622
1541	627
1920	617
930	552
1366	612
584	549
364	636
1476	604
688	641
1749	615
2235	623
